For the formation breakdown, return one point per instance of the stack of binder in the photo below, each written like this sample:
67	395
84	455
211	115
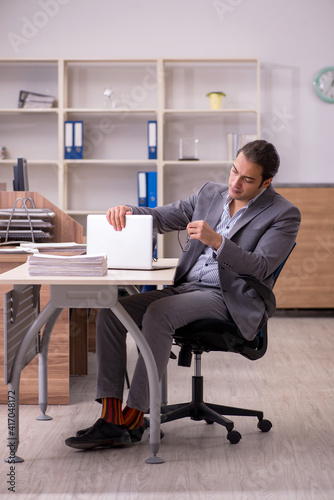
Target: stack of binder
32	100
235	142
147	189
73	140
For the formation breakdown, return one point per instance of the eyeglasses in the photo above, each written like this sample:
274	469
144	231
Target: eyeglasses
187	244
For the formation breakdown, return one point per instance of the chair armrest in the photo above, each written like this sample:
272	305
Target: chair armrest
263	290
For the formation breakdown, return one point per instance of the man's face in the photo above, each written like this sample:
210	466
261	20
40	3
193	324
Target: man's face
245	180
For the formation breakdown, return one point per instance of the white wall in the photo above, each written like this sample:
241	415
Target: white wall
292	38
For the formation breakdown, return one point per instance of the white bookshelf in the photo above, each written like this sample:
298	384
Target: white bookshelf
171	91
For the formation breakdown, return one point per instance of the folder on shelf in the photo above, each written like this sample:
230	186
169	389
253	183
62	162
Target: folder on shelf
29	99
78	139
142	189
151	178
73	140
235	142
230	148
152	139
68	139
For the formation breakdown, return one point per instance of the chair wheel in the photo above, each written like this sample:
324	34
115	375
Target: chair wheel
209	422
234	437
265	425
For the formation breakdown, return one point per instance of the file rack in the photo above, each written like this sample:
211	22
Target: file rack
28	224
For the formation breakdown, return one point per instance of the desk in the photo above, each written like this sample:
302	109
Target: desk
65	229
79	292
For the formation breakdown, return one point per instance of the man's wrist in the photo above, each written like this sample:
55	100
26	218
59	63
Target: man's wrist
218	243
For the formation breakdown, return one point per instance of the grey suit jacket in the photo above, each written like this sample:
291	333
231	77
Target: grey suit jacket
256	245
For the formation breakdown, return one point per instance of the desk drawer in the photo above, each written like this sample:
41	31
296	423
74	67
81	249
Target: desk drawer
83	297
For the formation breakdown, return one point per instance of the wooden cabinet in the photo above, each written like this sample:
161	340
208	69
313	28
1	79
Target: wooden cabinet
307	280
66	229
58	359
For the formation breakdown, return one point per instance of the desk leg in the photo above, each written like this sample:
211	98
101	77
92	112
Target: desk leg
43	365
14	384
153	378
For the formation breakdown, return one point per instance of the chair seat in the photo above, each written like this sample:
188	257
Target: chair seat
207	335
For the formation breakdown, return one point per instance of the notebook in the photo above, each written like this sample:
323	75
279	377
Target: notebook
131	248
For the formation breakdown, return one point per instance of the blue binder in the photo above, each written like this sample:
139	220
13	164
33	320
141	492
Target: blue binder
73	140
152	139
151	189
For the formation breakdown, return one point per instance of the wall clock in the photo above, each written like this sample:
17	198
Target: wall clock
324	84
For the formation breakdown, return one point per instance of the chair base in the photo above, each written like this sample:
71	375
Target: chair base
197	409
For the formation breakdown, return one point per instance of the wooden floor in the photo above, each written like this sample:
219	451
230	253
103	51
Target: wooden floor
294	386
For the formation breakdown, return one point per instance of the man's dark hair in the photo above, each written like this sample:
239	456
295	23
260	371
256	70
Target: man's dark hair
262	153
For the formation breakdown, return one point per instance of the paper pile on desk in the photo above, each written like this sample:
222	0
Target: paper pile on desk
59	265
54	247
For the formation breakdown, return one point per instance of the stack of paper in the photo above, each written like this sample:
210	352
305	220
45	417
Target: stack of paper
59	265
66	246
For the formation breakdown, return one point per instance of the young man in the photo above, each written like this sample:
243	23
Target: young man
243	228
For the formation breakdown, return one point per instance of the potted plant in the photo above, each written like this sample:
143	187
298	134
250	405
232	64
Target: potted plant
215	99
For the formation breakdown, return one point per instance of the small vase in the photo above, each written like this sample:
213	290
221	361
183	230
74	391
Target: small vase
215	99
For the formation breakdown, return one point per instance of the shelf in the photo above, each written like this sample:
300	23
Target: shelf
206	61
208	111
84	212
115	111
198	163
13	161
28	110
110	162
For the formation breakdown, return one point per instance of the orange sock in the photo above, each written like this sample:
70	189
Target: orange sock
133	419
112	411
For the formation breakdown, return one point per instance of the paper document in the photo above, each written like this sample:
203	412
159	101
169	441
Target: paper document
75	265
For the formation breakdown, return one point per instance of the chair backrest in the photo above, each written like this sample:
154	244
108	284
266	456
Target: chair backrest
280	267
217	335
255	353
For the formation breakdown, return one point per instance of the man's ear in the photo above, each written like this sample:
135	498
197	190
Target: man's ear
267	182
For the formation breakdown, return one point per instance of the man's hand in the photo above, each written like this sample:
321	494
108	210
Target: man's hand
200	230
116	216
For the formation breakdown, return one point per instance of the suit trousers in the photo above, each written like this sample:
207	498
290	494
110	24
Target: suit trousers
158	313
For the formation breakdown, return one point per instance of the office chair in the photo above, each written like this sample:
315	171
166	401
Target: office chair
217	335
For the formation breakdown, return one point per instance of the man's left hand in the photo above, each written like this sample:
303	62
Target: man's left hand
200	230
